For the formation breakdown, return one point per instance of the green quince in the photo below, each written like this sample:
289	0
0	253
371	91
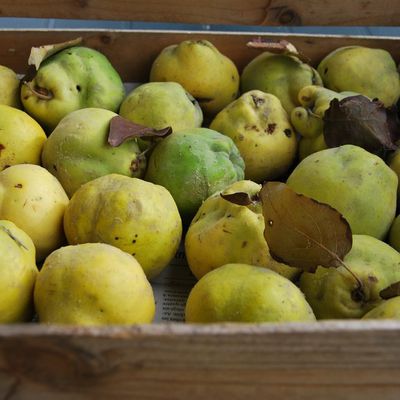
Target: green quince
74	78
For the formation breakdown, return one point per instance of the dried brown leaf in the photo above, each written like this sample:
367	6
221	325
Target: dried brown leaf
303	232
362	122
391	291
122	129
276	47
240	198
39	54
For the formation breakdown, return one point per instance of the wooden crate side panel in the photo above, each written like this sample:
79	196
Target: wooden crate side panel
132	52
236	12
327	361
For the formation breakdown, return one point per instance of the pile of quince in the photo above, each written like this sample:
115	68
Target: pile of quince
280	180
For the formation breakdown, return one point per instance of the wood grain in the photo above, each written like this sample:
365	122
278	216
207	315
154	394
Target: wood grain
237	12
132	52
325	360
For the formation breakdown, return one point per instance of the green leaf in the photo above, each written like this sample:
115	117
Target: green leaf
303	232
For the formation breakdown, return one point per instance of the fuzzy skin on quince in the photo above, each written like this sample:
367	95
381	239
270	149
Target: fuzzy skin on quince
129	213
393	161
193	164
161	104
18	273
310	145
387	309
281	75
77	151
334	292
222	232
394	234
357	183
35	201
74	78
21	138
261	130
93	284
368	71
9	87
208	75
246	293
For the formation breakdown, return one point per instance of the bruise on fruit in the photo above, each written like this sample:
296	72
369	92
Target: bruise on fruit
258	101
251	128
2	147
270	128
244	244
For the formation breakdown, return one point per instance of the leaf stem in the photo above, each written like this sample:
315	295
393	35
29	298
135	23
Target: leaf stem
357	279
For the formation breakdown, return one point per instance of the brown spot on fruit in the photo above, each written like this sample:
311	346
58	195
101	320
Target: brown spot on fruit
258	101
288	132
270	128
244	243
2	147
18	185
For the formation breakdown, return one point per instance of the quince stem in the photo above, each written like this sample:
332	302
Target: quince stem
40	92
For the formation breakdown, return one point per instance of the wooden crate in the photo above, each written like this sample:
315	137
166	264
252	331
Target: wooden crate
325	360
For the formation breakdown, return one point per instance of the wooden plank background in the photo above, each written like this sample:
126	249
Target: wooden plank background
132	52
236	12
333	360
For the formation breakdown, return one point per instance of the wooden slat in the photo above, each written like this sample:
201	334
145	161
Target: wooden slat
132	52
326	360
237	12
